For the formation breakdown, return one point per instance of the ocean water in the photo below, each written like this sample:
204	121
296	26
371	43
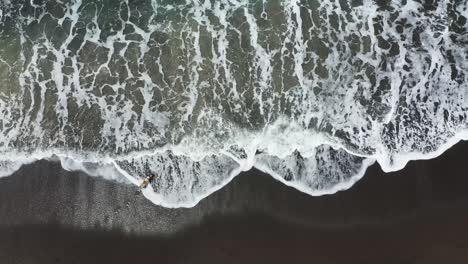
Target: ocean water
196	91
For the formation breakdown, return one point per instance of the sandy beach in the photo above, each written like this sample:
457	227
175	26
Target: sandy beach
436	237
417	215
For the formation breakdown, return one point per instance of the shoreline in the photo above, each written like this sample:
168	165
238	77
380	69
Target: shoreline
417	215
42	192
109	170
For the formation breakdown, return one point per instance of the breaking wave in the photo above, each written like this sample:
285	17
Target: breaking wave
197	91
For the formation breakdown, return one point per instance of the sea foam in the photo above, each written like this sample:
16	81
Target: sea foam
195	92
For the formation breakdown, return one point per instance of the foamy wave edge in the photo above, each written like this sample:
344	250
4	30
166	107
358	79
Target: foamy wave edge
107	168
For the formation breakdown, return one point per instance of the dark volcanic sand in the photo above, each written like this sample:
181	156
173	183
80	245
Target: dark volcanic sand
417	215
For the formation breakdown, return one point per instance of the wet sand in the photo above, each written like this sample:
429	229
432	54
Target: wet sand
417	215
436	237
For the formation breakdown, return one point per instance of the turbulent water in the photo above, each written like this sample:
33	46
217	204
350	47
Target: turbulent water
196	91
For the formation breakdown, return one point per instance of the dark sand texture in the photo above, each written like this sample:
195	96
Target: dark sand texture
430	238
417	215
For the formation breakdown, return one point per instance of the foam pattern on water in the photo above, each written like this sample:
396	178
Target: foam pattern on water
8	167
181	180
196	91
325	172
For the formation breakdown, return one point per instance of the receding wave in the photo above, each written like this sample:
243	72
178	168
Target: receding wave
197	91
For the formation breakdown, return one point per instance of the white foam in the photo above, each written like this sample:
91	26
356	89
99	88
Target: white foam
105	170
200	91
